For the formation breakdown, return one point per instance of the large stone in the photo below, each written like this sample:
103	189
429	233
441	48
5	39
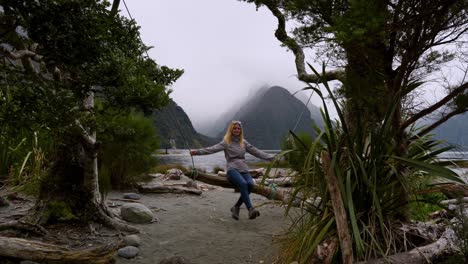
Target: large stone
132	240
128	252
136	213
173	174
132	196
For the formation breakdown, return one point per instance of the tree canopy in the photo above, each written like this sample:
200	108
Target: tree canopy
55	52
381	50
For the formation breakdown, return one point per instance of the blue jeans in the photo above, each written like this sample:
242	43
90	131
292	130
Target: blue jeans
245	183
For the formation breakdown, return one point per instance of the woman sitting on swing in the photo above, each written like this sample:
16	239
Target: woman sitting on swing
235	146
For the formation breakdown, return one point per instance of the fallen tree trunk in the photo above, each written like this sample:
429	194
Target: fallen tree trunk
50	253
444	246
270	193
167	188
281	181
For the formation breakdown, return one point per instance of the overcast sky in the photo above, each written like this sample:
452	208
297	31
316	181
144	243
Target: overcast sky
226	47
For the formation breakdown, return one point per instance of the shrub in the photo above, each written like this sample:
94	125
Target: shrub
127	144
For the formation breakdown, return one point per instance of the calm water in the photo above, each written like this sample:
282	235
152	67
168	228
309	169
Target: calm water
206	162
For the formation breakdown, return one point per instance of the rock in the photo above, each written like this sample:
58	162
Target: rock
136	213
175	260
28	262
173	174
132	240
191	184
128	252
132	196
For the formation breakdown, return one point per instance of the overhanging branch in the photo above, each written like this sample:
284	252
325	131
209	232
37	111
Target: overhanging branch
289	42
435	106
440	121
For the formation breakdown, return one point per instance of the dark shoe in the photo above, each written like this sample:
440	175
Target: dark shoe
235	212
253	213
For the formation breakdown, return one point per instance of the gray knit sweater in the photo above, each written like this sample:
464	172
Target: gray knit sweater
235	153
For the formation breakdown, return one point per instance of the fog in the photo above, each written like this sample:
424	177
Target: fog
226	47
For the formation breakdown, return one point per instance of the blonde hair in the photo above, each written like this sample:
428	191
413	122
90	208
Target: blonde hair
228	135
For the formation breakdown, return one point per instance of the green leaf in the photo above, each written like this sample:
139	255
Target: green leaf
434	170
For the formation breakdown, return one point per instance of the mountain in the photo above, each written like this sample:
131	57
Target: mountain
173	124
213	129
454	131
268	116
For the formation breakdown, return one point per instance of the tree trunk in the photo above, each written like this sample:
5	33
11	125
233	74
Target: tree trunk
71	191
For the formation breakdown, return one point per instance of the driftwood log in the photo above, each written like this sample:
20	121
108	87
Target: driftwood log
341	219
270	193
444	246
167	188
54	254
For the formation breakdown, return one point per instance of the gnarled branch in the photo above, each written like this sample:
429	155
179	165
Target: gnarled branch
440	121
435	106
289	42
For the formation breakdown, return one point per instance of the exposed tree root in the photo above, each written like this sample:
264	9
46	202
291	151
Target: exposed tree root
50	253
107	218
101	214
24	226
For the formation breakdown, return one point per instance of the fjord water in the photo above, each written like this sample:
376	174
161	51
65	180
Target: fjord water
208	162
204	162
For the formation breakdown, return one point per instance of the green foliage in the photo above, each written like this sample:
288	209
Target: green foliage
128	143
81	48
24	165
85	49
374	180
425	204
301	143
59	211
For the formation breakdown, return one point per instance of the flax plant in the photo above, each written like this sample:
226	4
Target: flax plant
372	179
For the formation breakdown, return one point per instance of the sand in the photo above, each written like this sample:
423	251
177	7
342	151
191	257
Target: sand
201	229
